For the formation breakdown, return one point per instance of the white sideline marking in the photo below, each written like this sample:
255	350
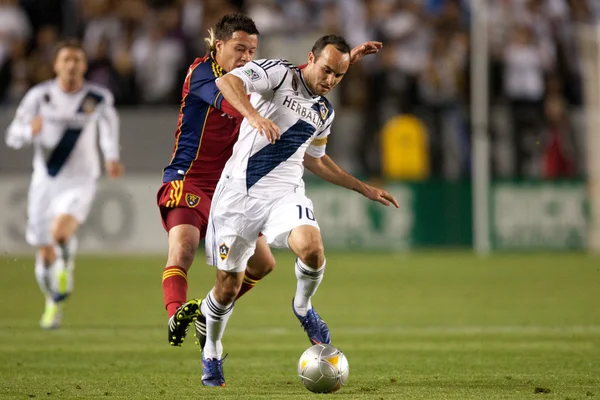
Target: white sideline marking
127	330
437	330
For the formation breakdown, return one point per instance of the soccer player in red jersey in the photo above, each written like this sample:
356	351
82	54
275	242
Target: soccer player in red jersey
208	128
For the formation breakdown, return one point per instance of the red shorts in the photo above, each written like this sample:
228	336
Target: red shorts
182	202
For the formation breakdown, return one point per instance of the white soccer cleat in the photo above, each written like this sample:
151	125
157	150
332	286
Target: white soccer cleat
52	315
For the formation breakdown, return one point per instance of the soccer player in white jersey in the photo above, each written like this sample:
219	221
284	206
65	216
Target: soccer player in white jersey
61	118
287	122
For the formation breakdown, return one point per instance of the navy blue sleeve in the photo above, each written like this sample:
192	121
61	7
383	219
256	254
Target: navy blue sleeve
202	84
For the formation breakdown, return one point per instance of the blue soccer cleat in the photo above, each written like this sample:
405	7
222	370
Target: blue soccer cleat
212	371
316	329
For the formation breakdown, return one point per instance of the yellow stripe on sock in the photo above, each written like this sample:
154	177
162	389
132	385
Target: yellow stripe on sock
174	272
250	281
170	273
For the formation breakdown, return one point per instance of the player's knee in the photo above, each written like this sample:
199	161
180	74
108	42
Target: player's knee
228	294
226	291
312	254
60	235
63	227
259	268
182	254
268	267
47	254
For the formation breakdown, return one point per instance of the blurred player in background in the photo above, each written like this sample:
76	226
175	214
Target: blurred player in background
286	127
62	119
208	128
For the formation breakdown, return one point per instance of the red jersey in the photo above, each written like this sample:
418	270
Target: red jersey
208	128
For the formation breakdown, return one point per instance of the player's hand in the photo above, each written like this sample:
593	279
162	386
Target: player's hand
357	53
379	195
265	127
36	125
114	169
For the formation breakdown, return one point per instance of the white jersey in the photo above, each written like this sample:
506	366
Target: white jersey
67	146
258	168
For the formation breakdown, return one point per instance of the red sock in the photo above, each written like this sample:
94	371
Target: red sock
249	283
175	285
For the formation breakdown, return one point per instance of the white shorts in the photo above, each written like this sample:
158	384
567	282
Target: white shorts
236	220
49	197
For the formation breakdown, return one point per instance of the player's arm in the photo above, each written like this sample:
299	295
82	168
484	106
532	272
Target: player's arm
320	164
203	85
108	130
325	168
362	50
255	77
26	124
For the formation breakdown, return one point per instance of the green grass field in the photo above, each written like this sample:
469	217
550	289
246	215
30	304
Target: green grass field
415	326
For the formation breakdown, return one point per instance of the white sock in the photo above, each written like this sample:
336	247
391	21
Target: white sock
217	316
65	260
43	276
308	282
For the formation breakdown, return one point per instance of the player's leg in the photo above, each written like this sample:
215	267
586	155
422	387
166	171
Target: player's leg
44	273
259	265
184	210
39	218
305	241
217	308
183	242
230	242
64	227
71	205
44	259
292	224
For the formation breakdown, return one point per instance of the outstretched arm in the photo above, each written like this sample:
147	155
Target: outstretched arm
325	168
233	90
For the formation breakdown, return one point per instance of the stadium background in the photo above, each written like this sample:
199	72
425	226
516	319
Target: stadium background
141	49
418	314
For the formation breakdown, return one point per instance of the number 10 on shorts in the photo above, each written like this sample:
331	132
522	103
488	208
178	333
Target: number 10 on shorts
305	211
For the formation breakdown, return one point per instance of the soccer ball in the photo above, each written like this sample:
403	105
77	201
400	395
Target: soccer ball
323	368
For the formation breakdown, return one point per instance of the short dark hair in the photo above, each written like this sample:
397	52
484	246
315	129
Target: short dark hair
232	23
226	26
335	40
69	43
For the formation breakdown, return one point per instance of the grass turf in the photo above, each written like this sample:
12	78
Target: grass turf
416	326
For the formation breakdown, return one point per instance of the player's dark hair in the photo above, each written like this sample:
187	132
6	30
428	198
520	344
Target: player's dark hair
335	40
69	43
226	26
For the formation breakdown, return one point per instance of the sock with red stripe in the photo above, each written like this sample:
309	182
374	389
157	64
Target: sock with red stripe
249	283
175	285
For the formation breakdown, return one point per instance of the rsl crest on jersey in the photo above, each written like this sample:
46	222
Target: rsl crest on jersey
192	200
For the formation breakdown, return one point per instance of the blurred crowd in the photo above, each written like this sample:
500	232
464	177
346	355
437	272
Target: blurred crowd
140	49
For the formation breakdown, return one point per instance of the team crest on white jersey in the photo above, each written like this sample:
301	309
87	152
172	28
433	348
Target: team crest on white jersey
252	74
223	251
89	105
324	110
